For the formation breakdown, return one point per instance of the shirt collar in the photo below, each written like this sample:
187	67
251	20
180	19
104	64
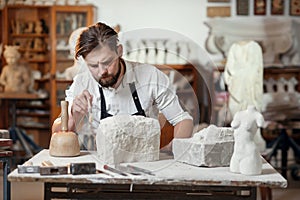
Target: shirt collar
129	76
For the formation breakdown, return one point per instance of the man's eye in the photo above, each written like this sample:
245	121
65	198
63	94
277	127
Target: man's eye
107	62
94	66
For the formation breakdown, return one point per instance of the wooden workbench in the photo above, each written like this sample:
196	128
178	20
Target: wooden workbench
172	179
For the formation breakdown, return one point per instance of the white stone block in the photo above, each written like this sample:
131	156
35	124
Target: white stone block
124	138
211	147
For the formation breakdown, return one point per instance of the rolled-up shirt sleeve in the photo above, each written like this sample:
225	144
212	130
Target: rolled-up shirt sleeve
168	102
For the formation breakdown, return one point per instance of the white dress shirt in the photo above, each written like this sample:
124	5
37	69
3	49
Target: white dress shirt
153	87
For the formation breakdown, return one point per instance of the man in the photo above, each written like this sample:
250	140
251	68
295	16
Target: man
114	86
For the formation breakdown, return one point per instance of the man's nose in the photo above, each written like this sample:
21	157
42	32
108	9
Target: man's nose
102	70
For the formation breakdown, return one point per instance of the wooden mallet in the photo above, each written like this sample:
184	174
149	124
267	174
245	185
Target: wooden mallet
64	143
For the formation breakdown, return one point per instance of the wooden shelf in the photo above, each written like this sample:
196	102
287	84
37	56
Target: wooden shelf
33	114
63	81
32	50
65	60
42	80
32	127
29	35
38	60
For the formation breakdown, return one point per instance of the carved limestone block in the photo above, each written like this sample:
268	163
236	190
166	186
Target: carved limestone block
212	147
126	138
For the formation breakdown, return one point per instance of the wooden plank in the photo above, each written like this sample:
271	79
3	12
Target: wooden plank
17	95
218	11
5	142
6	153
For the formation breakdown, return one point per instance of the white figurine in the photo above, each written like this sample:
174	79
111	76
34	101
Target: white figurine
244	77
246	157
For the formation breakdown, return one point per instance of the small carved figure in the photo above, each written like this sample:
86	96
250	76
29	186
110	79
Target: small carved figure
38	27
15	77
29	27
246	157
38	44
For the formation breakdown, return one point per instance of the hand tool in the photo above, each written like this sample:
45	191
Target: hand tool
114	170
141	170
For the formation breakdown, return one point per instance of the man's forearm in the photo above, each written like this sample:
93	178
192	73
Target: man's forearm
183	129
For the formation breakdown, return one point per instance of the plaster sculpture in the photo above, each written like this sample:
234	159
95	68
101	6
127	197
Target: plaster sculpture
79	63
279	104
244	77
160	56
274	34
126	138
15	77
246	158
291	85
142	55
212	147
270	85
292	56
281	83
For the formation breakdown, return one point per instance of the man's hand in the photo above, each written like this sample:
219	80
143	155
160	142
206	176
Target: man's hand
79	109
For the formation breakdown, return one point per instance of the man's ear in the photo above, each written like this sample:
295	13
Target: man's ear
120	50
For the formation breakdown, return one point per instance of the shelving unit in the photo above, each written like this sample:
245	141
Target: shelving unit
67	19
43	39
31	34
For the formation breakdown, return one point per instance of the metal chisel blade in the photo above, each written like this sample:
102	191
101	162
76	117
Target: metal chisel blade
128	170
140	170
114	170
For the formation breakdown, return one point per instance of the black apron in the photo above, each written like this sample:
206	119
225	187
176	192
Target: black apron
140	111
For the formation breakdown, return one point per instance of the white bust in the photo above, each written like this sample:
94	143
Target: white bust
246	157
79	64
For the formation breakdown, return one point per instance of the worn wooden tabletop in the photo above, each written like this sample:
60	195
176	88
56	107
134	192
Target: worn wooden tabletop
167	171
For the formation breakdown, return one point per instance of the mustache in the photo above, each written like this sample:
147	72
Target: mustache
105	75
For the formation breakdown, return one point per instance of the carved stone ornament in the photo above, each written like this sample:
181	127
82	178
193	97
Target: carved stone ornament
273	34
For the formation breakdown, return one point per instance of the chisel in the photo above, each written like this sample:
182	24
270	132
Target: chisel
114	170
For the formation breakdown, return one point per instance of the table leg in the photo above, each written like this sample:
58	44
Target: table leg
265	193
6	183
284	142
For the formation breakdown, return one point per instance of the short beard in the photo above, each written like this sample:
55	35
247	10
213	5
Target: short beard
112	81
